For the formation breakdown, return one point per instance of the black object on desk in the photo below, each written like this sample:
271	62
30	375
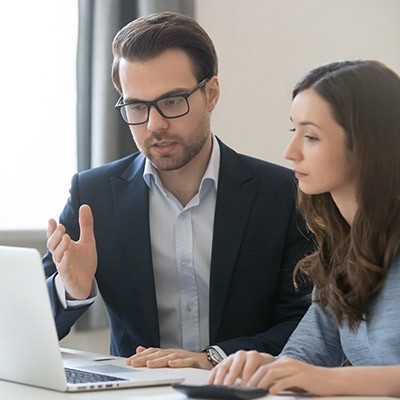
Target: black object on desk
220	392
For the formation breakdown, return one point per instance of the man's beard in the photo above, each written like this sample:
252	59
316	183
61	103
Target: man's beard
188	150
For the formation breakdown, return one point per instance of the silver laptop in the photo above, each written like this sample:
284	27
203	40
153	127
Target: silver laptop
29	347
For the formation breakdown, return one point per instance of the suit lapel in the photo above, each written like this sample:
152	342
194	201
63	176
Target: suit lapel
236	192
131	208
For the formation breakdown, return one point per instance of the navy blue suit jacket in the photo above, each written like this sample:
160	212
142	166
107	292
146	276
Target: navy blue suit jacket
258	237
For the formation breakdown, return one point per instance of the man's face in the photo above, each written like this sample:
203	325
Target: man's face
170	144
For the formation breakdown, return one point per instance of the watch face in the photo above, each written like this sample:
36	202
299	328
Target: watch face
215	355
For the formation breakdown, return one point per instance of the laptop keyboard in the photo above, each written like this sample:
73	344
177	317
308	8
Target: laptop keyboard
76	376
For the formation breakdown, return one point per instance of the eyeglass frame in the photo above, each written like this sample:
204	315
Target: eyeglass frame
154	102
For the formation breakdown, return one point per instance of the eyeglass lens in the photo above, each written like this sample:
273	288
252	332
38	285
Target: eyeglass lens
169	107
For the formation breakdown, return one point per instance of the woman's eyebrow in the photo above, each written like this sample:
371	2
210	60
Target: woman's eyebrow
306	123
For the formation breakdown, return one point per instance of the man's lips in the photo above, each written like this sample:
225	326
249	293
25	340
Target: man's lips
164	147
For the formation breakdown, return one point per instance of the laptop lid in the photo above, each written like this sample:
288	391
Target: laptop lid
29	346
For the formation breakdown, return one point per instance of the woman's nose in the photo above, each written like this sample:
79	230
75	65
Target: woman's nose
292	152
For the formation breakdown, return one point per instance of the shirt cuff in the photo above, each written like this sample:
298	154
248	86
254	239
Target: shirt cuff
60	289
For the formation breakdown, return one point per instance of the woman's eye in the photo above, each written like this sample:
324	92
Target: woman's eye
311	138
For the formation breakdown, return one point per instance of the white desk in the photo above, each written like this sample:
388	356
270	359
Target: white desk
14	391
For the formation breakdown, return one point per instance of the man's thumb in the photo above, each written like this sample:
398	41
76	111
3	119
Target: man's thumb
86	224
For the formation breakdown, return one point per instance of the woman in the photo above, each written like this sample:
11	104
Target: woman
346	156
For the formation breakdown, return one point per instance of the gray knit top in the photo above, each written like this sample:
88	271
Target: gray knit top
317	339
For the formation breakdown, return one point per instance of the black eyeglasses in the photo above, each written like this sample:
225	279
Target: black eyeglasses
171	106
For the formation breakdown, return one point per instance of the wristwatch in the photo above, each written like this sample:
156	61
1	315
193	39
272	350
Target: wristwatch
213	356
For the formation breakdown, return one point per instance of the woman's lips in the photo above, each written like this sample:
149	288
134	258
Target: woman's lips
299	174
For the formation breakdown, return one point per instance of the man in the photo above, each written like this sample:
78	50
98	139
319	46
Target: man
189	243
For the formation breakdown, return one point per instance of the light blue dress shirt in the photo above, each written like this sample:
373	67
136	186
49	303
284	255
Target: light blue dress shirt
181	243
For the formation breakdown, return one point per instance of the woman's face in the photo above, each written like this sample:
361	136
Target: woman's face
321	159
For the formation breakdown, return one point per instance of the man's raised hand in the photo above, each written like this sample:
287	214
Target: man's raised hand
76	261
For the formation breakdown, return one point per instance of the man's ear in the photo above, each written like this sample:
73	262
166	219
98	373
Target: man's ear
212	92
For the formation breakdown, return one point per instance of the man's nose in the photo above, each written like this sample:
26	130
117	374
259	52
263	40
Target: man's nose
156	121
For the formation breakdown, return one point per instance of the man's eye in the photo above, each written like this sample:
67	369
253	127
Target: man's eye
171	101
137	107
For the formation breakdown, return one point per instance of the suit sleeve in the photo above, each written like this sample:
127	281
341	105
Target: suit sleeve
290	304
64	318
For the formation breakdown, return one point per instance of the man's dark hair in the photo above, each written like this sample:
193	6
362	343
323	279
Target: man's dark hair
147	37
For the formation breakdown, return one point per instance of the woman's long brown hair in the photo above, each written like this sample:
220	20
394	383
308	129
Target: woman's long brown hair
350	264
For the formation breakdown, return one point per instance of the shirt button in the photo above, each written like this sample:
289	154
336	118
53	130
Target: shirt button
184	263
183	216
189	308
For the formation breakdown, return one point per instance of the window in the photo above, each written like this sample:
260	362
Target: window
38	133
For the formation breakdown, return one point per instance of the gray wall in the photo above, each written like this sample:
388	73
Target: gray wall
264	46
21	238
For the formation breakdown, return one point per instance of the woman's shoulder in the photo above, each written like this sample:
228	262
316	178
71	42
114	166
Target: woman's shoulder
394	269
389	292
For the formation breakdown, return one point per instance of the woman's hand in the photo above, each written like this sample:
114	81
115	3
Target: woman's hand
288	374
264	371
242	364
293	375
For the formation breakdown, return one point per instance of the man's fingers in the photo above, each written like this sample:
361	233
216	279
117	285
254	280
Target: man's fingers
140	349
59	250
143	355
51	227
86	224
183	363
61	268
160	362
132	358
157	358
55	237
